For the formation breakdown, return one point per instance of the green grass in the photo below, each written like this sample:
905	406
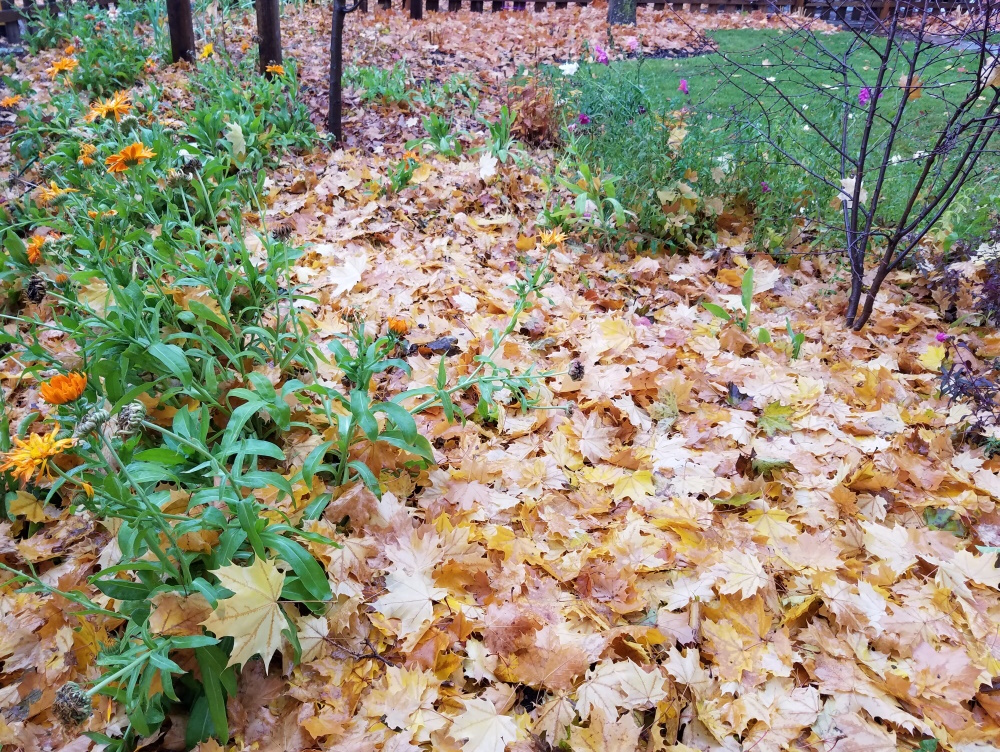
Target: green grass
617	97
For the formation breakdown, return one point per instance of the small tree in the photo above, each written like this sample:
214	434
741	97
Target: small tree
181	30
908	111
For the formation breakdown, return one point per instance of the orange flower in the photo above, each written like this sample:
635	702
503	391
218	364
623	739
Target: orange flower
278	70
118	106
102	214
399	326
8	102
131	155
70	49
34	248
47	195
32	456
85	151
553	237
61	389
64	64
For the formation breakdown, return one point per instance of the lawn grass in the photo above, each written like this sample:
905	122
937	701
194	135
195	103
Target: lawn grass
721	85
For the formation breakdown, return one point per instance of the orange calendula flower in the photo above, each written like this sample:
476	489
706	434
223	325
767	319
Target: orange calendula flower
63	388
70	49
65	64
11	101
278	70
131	155
31	456
34	248
118	105
553	237
85	158
102	214
399	326
50	193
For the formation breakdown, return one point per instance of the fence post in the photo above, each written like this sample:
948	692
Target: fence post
333	116
181	30
269	31
12	29
621	12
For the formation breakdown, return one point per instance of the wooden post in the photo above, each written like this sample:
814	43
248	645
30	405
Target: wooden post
181	30
497	6
416	9
621	12
333	116
12	26
269	31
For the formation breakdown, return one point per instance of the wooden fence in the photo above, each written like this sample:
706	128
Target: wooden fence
14	13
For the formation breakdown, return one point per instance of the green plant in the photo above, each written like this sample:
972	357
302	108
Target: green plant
500	141
746	301
795	338
400	175
439	137
390	86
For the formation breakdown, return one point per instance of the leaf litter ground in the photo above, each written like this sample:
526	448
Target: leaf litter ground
703	544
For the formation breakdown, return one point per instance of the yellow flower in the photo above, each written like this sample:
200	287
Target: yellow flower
553	237
47	195
63	64
131	155
32	456
8	102
61	389
85	157
150	65
118	106
278	70
207	51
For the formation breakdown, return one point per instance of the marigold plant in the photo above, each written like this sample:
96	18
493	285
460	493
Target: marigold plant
51	192
31	456
11	101
278	70
34	248
62	65
118	106
131	155
86	151
64	388
399	326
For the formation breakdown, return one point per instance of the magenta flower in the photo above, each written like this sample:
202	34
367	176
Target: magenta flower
942	337
764	187
683	88
584	118
865	95
601	53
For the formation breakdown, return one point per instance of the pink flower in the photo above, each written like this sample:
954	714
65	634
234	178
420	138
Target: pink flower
764	187
602	55
632	43
584	118
865	95
942	337
683	88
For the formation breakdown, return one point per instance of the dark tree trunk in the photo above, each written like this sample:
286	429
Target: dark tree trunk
416	9
333	122
181	30
621	12
269	31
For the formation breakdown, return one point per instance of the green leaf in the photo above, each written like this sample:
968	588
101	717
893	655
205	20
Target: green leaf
400	417
305	566
174	360
367	477
362	414
212	662
764	466
747	289
717	311
775	418
739	500
123	590
763	336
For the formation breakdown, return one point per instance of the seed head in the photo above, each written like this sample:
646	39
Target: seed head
35	289
71	706
576	370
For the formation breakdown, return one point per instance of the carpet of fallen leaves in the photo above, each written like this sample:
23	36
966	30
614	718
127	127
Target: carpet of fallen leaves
715	545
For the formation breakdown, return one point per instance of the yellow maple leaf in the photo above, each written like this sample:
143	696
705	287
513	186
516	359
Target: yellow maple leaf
252	617
932	357
26	505
636	486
